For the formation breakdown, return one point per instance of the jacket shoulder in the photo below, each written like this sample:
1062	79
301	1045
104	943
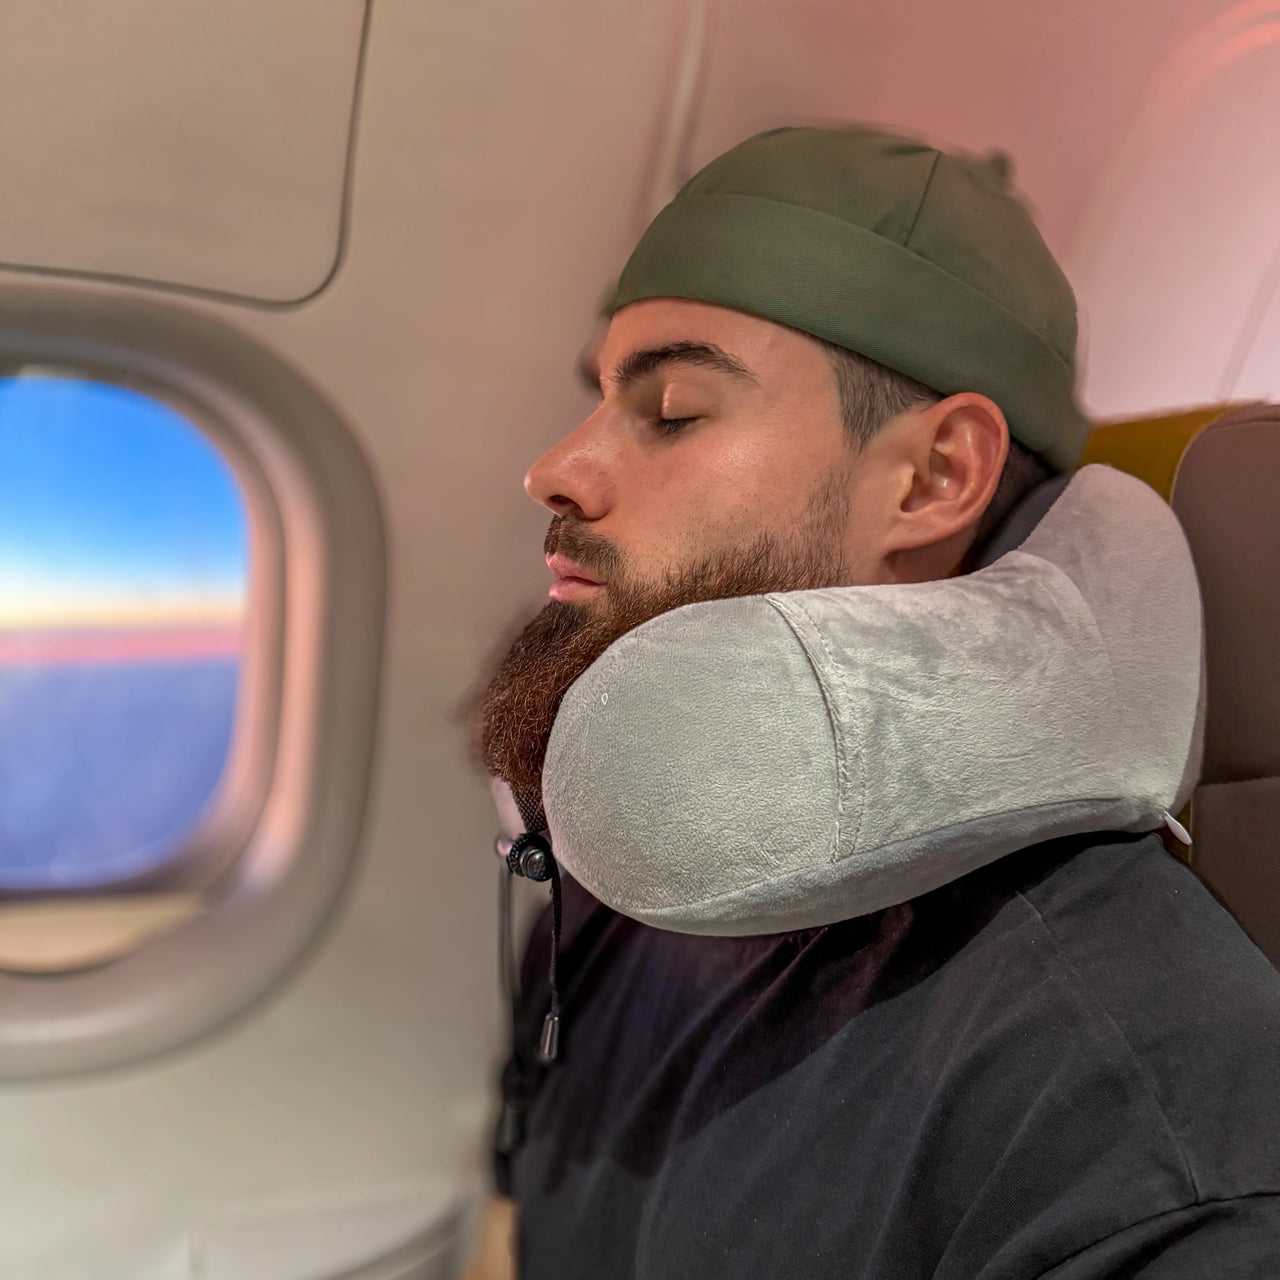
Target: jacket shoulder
1179	984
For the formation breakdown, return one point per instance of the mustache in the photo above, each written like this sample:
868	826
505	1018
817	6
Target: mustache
567	537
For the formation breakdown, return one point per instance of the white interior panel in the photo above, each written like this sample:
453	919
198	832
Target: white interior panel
197	144
320	1242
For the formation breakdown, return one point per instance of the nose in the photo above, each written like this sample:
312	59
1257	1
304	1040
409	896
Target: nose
574	478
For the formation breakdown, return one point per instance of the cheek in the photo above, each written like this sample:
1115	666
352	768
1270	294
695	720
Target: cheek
715	490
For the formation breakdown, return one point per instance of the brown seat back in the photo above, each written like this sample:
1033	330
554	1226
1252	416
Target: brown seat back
1220	468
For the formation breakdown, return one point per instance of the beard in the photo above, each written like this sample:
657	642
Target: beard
511	718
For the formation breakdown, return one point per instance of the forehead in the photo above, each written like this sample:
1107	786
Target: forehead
765	347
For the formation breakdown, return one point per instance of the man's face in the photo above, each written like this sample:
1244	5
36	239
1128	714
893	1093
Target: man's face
714	429
715	465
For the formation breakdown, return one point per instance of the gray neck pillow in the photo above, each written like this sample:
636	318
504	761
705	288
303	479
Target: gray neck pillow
775	762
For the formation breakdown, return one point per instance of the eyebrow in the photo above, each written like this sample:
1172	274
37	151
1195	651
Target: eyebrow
706	355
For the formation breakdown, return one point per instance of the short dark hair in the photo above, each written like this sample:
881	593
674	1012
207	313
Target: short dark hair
871	394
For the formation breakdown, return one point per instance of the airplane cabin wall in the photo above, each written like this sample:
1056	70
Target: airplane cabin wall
495	182
502	155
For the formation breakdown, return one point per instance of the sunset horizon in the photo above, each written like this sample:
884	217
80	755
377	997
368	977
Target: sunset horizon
44	647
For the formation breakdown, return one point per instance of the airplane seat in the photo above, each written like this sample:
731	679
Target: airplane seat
1219	468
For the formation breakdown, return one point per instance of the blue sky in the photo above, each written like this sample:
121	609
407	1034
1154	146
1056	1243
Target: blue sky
112	507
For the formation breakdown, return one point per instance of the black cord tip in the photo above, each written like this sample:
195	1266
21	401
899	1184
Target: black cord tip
549	1042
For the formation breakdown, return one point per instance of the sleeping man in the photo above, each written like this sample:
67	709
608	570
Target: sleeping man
847	737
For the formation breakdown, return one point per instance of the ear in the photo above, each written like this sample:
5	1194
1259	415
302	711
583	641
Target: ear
952	455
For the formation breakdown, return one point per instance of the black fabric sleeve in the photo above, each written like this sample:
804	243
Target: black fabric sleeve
1235	1239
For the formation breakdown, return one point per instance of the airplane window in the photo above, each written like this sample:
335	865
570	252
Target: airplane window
124	541
192	589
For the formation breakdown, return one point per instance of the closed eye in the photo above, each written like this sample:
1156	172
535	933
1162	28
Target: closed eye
669	426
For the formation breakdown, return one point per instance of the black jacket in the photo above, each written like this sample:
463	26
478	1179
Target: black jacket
1065	1065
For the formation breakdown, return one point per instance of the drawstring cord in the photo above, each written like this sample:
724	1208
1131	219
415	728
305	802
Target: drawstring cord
530	855
549	1041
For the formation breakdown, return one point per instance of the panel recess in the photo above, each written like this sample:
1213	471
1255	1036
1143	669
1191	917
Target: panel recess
198	145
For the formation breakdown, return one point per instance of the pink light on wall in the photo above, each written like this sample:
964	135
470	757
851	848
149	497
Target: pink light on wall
1177	260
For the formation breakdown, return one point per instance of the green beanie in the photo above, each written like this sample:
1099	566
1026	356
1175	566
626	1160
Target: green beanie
923	261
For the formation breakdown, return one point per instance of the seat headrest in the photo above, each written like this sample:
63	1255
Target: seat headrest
1218	467
1225	495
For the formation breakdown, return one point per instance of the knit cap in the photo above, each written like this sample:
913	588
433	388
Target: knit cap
924	261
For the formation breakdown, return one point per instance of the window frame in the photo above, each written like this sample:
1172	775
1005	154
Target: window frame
267	863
